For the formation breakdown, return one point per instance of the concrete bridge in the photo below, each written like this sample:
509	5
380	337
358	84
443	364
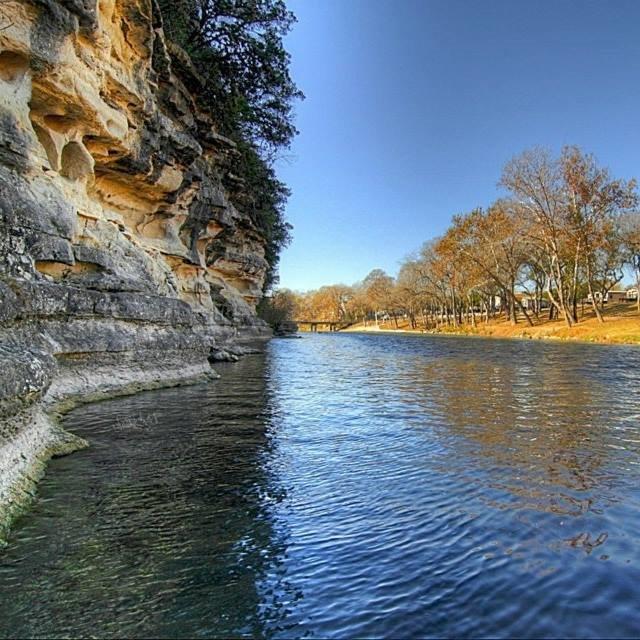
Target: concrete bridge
322	325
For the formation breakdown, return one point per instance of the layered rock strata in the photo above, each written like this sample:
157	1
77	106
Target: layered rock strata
123	263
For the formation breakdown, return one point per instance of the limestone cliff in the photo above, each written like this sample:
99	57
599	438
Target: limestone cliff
123	263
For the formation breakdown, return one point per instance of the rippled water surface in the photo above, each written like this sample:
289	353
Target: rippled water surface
347	485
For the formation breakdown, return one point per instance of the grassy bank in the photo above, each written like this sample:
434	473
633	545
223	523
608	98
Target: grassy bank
621	326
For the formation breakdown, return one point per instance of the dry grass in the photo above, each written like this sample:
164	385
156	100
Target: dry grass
621	326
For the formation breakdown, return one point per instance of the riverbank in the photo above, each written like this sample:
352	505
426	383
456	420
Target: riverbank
30	437
30	421
326	487
621	326
112	209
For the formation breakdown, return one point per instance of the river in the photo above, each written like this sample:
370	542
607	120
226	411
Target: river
347	485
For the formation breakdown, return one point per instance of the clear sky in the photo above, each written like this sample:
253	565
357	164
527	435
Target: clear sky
413	107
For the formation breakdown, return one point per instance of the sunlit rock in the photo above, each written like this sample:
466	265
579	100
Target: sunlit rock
123	264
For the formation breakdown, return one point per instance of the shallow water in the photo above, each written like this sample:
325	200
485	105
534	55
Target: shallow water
347	485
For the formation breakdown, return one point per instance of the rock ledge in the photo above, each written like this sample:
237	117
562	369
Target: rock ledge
123	263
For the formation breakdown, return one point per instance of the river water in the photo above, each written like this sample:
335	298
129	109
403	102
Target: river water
347	485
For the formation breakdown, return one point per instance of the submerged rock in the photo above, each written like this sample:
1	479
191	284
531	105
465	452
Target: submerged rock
220	355
286	329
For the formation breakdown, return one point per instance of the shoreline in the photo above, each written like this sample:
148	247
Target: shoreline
34	433
585	332
41	437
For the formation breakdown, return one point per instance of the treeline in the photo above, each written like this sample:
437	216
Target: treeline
566	233
237	48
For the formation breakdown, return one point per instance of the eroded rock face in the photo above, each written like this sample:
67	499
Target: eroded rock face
122	262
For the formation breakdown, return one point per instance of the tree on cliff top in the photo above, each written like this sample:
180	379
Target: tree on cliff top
237	46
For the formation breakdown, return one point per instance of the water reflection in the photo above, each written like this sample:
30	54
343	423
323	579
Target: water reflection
540	422
348	486
166	524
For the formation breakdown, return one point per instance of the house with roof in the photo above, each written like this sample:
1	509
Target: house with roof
618	294
615	295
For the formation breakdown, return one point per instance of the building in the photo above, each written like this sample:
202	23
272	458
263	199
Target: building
615	295
529	302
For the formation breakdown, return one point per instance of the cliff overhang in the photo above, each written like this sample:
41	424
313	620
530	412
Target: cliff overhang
123	262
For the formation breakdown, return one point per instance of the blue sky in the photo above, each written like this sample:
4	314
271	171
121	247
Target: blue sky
414	106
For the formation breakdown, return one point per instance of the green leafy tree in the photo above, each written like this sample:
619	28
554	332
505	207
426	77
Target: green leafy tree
237	47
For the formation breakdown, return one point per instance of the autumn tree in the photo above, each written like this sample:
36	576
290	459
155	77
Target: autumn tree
378	287
280	307
535	179
567	231
412	289
434	277
594	201
359	306
630	233
328	303
494	242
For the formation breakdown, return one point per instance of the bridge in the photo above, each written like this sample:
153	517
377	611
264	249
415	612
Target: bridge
322	325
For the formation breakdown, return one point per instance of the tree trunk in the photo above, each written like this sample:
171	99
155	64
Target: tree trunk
562	302
594	302
453	309
473	314
513	318
524	313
